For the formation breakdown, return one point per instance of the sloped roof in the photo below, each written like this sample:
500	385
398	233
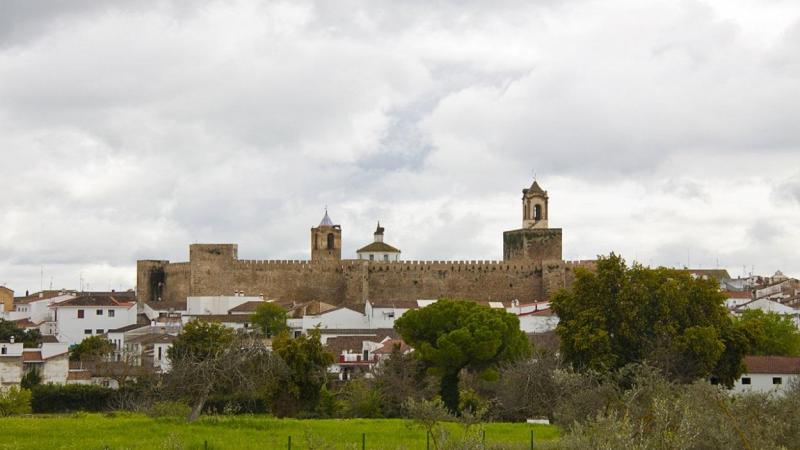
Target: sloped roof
534	189
326	220
247	307
337	345
402	304
129	327
717	274
96	300
166	306
378	247
32	356
772	364
389	345
223	318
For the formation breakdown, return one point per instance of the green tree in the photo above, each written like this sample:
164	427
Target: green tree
307	362
92	348
618	315
200	339
270	319
772	333
29	338
452	335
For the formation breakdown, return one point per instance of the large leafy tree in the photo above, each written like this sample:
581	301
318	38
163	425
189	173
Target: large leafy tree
270	319
90	349
772	333
306	363
452	335
618	315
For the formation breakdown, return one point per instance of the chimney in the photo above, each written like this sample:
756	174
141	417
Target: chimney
11	339
379	233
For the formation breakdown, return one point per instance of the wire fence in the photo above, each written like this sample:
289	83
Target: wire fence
364	442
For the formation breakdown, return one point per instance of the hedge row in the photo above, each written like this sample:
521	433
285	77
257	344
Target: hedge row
56	398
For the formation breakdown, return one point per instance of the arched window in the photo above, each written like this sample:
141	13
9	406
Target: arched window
537	212
330	241
525	214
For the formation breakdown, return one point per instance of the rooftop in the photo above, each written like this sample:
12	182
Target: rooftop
246	307
378	247
772	364
98	300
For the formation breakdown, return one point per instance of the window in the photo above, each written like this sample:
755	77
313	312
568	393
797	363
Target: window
297	333
99	331
386	257
746	380
331	241
80	314
3	351
366	355
537	212
159	353
99	312
87	331
372	257
777	380
111	313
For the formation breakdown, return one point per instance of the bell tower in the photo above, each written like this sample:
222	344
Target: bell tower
326	240
534	207
535	241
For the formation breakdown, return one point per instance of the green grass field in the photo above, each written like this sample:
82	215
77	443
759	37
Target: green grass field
130	431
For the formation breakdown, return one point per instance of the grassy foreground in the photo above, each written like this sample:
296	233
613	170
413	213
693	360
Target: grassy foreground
133	431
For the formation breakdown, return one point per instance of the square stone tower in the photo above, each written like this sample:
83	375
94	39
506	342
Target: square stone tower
326	241
535	241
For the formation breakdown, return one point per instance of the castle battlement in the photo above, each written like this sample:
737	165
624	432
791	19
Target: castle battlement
531	270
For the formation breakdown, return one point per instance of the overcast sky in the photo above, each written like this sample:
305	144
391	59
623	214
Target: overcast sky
668	131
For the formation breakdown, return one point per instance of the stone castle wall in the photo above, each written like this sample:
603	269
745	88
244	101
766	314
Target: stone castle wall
214	269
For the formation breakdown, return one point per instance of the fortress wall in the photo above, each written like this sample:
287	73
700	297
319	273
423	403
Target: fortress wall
480	280
215	270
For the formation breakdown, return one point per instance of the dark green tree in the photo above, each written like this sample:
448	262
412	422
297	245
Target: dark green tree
29	338
772	333
306	363
270	319
452	335
92	348
200	339
618	315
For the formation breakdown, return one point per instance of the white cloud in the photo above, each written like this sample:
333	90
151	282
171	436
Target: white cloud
664	131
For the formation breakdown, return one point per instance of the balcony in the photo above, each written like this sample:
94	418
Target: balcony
356	359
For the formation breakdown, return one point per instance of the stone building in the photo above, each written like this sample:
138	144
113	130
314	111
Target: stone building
378	250
532	270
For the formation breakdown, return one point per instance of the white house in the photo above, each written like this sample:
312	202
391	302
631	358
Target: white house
768	374
341	317
92	315
378	250
50	360
34	310
735	299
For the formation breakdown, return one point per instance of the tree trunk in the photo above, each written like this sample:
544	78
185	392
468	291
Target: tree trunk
449	391
197	408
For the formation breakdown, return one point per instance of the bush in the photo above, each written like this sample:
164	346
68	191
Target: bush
235	404
30	379
169	409
361	399
15	401
55	398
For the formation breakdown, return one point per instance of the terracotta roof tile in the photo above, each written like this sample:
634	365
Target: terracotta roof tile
250	306
32	356
97	300
772	364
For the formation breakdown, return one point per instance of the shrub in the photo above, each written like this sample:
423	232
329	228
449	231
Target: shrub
15	401
239	403
30	379
361	399
55	398
169	409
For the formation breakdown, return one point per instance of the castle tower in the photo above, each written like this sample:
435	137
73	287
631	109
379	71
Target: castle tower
535	241
534	207
326	240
